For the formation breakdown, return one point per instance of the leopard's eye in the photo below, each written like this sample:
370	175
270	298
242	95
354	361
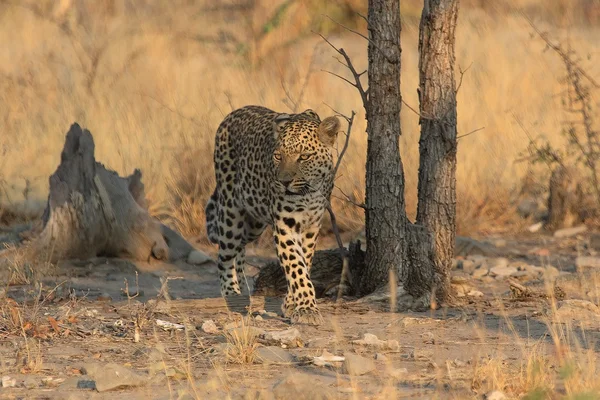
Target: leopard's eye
304	157
277	156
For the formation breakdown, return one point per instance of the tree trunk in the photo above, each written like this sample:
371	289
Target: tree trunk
91	211
436	210
385	212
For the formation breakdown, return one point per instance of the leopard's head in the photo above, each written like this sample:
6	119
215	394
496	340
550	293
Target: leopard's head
303	157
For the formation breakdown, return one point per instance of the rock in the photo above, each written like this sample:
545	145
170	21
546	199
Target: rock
468	266
356	365
196	257
274	355
209	326
475	293
502	271
459	290
498	262
499	242
459	279
579	310
480	273
51	382
398	373
301	386
568	232
495	395
535	227
586	261
327	359
8	382
372	341
428	337
380	357
290	337
259	318
112	376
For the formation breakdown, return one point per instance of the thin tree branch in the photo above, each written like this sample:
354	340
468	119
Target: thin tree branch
358	84
470	133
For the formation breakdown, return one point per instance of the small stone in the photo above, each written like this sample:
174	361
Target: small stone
209	326
259	318
535	227
30	382
499	262
499	242
586	261
274	355
302	386
398	373
487	279
495	395
380	357
8	382
475	293
112	376
502	271
468	266
371	340
51	382
356	365
290	337
568	232
197	257
480	273
458	279
428	337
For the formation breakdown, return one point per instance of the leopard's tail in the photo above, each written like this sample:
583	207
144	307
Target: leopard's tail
212	227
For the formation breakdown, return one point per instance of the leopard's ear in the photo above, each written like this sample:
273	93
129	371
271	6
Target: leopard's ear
312	115
278	124
328	130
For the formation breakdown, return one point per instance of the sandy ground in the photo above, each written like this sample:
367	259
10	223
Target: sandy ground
76	337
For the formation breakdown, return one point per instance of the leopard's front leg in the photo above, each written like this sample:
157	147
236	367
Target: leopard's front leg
300	303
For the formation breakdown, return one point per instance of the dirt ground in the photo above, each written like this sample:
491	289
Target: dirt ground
75	335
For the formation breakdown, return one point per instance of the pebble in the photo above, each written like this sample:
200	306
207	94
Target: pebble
289	337
209	326
568	232
495	395
373	341
502	271
480	273
8	382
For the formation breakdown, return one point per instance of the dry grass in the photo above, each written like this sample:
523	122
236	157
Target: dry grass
153	94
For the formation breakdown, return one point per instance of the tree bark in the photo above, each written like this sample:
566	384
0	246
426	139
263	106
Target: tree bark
385	212
436	210
91	211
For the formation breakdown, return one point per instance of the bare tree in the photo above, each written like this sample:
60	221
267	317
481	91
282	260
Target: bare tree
437	146
385	210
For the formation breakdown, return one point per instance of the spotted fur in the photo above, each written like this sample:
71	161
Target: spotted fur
272	169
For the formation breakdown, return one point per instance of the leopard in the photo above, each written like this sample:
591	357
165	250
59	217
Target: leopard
272	169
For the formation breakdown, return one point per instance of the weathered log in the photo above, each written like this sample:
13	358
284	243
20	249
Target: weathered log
92	211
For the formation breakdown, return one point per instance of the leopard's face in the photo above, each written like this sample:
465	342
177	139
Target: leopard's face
303	159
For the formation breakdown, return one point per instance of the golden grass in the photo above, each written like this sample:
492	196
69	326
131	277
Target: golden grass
159	92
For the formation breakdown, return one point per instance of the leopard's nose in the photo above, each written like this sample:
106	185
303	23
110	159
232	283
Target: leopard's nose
286	182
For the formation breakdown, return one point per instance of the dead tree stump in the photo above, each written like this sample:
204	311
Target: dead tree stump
92	211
